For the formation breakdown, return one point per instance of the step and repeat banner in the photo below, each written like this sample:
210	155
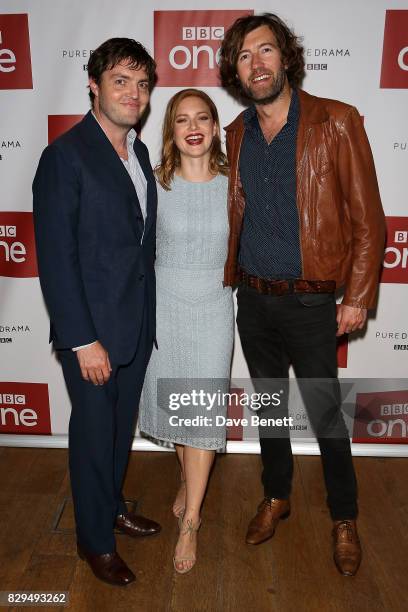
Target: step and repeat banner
356	52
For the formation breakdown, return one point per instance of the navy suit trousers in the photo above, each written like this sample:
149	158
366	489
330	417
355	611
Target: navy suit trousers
101	430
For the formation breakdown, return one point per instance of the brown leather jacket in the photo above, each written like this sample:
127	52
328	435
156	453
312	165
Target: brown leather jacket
341	220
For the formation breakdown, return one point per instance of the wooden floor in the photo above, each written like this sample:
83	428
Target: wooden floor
292	572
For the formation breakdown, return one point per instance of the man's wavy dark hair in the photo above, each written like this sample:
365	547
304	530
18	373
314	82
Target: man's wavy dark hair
115	50
288	43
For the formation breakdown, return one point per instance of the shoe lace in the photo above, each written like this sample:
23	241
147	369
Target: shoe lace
266	502
346	527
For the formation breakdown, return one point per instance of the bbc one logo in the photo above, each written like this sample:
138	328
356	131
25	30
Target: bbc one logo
187	45
190	57
394	68
24	408
15	56
381	417
395	265
17	245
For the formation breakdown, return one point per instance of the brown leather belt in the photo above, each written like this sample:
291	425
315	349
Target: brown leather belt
283	287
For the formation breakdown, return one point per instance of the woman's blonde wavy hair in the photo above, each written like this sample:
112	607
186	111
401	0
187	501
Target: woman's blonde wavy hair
170	155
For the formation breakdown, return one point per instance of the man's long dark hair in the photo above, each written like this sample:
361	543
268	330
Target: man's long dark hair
288	43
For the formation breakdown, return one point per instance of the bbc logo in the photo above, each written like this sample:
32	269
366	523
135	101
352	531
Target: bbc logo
8	399
316	66
401	236
203	33
8	231
393	409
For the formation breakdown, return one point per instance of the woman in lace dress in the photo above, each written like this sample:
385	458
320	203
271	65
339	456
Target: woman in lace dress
194	310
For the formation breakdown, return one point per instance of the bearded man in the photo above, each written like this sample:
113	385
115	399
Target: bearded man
305	220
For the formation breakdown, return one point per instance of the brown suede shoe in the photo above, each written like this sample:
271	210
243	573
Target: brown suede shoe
136	525
347	549
263	525
108	567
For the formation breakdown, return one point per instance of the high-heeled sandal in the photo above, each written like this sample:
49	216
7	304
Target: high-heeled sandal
189	529
182	510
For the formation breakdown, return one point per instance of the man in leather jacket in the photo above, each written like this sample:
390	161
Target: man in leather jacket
305	221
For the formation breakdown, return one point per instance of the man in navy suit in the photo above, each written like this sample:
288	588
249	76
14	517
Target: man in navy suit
95	220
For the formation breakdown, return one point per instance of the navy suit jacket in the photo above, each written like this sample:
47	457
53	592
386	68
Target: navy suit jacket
96	271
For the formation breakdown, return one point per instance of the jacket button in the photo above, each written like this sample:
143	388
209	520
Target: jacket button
141	277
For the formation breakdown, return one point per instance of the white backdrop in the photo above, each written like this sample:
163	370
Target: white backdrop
356	51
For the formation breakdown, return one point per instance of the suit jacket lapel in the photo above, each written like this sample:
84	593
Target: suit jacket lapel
110	160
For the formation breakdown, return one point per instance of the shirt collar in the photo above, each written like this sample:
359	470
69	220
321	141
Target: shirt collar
293	113
251	118
131	136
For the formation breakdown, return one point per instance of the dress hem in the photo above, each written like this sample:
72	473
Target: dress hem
183	442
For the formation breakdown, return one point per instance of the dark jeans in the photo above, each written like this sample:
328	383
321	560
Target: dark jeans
299	329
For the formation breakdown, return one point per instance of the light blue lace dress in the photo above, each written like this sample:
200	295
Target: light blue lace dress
195	325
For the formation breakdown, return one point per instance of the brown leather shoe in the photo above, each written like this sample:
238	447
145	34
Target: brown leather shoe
108	567
347	549
263	525
136	525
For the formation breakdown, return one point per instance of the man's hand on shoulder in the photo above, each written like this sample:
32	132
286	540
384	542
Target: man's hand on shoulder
350	318
94	363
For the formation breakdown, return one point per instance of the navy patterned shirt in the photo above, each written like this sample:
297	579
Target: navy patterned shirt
270	242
